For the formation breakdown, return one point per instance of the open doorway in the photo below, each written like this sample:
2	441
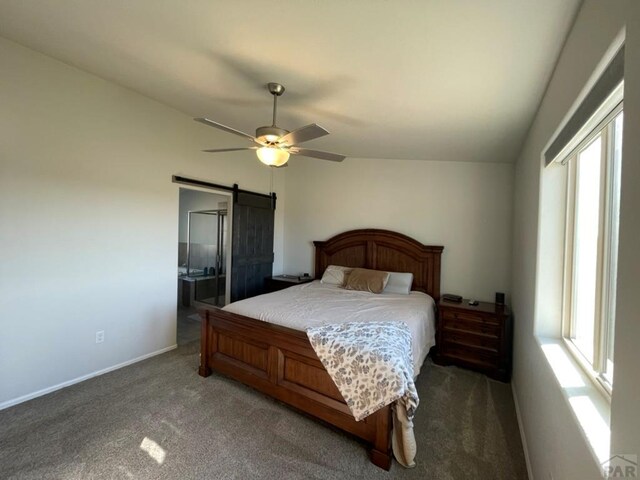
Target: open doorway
203	256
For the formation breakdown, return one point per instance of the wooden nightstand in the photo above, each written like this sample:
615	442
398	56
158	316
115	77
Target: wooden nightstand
476	337
273	284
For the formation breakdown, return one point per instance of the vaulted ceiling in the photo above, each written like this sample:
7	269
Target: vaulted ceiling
455	80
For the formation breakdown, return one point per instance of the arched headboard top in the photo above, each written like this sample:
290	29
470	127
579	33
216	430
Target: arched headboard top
383	250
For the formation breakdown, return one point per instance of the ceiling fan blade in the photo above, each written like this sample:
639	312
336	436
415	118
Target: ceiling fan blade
216	150
305	152
304	134
224	128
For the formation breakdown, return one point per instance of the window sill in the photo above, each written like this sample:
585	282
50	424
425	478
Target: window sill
586	368
587	402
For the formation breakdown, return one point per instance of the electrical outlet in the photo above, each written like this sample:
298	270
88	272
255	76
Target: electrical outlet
100	336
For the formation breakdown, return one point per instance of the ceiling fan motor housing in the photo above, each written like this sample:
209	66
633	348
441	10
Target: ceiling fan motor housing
270	134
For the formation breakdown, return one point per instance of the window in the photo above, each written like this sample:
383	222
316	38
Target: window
591	246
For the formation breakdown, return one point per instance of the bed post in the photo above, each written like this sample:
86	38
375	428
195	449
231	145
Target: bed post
380	454
204	370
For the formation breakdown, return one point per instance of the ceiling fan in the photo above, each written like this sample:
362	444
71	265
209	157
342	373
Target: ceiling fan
275	144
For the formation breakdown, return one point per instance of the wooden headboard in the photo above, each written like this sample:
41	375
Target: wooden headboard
383	250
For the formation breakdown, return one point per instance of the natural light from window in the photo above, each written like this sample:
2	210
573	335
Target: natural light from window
591	248
614	213
596	428
565	371
586	246
154	450
590	410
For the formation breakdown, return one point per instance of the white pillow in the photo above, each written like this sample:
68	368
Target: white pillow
399	283
335	275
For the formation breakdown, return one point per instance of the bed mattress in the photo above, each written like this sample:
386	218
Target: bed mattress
315	304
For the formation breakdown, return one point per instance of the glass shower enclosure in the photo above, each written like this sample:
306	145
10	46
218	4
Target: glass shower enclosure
204	274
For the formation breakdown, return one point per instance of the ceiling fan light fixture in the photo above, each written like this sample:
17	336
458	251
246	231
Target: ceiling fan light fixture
273	156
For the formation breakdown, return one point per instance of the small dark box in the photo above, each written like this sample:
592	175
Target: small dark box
499	298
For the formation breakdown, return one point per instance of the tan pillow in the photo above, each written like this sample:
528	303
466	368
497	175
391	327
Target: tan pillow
335	275
366	280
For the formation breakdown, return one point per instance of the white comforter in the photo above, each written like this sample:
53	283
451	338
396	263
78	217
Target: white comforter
315	304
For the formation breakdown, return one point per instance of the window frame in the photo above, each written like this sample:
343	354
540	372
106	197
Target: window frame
605	263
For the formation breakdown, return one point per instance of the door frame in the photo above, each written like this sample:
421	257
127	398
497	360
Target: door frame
229	236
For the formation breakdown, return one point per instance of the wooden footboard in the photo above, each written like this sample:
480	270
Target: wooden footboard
280	362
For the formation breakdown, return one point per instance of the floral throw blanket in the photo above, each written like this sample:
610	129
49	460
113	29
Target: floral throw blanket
370	363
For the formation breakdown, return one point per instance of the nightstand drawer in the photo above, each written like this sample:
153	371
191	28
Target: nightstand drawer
474	340
483	328
469	317
480	357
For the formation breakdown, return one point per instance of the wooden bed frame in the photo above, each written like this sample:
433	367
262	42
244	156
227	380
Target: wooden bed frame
280	361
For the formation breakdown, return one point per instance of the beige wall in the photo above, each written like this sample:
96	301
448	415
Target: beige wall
89	219
467	207
556	447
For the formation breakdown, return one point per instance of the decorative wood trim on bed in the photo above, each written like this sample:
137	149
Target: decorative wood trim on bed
383	250
280	361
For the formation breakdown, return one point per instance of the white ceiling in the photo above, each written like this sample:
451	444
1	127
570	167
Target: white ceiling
433	79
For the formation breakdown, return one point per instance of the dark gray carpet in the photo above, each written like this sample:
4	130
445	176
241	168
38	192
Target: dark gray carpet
211	428
188	325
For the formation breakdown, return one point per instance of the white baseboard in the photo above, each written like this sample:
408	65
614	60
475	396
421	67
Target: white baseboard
44	391
523	437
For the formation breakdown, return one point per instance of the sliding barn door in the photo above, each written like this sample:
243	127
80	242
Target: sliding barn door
252	244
